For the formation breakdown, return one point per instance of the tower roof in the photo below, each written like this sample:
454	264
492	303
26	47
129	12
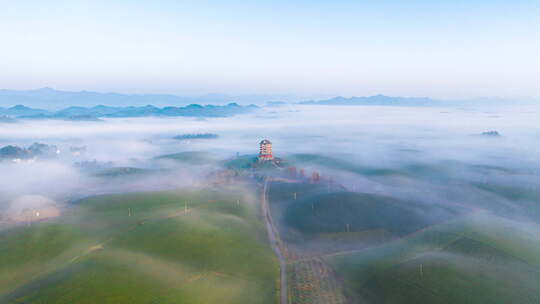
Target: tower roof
265	142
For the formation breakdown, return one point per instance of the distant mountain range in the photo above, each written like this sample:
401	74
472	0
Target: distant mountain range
94	113
383	100
48	98
53	100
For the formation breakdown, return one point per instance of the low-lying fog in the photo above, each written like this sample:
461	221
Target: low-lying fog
366	136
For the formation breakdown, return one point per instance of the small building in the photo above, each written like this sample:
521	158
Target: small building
291	172
265	152
315	177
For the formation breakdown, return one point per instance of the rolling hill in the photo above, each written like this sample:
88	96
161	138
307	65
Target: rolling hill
163	247
190	157
475	259
354	212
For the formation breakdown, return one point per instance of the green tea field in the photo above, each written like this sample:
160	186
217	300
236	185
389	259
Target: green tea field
163	247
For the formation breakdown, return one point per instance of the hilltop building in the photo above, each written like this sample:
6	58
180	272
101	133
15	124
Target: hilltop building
265	152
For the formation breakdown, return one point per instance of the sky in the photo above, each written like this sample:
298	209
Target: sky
442	49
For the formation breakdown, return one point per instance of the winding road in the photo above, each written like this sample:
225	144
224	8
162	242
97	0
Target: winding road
273	236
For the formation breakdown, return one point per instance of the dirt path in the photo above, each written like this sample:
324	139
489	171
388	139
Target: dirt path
275	242
310	279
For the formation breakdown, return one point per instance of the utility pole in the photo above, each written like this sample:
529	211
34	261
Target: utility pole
295	196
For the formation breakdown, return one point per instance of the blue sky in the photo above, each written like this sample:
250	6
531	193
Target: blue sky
440	48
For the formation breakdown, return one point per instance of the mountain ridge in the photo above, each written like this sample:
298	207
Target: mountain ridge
384	100
53	99
102	111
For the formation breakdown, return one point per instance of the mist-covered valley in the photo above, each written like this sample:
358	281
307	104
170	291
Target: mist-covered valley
354	185
407	152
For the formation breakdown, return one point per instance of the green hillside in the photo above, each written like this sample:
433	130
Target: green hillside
476	259
142	248
241	162
123	171
191	157
281	196
354	212
518	200
341	164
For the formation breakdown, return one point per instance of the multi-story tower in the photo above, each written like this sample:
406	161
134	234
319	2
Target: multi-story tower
265	152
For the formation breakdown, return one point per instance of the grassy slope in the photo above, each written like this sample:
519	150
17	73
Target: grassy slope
478	259
523	199
191	157
341	164
241	162
349	211
217	253
122	171
281	198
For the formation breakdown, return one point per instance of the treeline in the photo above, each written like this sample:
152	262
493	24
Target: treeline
196	136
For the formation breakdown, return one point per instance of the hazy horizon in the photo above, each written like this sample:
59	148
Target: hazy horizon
267	96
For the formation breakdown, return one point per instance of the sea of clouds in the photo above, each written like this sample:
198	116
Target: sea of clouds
368	136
